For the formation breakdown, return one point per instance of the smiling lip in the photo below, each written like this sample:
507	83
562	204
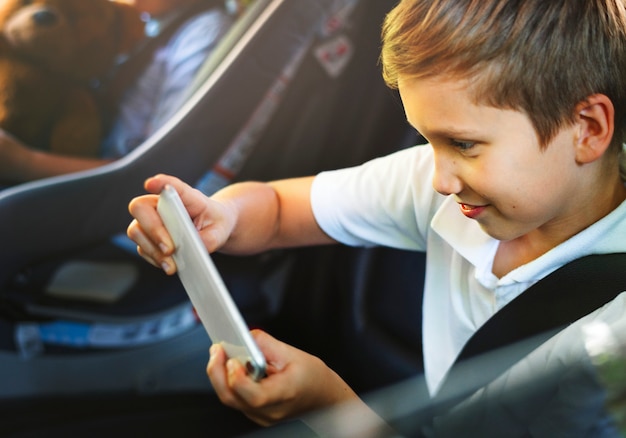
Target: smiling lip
472	211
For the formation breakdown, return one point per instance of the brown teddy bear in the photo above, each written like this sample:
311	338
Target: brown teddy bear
50	51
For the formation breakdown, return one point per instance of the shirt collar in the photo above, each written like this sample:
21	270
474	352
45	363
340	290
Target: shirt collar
465	236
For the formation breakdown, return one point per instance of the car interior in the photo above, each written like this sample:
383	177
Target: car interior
90	330
95	340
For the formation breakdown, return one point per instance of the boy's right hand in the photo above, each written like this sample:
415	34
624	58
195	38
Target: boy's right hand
213	220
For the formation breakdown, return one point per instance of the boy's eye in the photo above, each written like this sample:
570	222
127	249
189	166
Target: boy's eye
462	145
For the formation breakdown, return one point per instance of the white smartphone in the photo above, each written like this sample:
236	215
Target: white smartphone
206	289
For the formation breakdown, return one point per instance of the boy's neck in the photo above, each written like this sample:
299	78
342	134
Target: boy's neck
517	252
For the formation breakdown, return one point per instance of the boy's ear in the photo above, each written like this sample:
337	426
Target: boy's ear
595	117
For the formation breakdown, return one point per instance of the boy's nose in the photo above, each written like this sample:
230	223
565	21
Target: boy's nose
445	179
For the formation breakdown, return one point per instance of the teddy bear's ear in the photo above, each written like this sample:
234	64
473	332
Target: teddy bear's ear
131	29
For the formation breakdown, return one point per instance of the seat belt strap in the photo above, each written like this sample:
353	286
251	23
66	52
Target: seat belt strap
561	298
564	296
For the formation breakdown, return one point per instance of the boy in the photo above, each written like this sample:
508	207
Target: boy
523	106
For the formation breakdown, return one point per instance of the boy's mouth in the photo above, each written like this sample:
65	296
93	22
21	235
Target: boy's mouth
472	211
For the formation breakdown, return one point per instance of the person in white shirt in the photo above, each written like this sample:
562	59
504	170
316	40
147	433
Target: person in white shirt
523	105
149	100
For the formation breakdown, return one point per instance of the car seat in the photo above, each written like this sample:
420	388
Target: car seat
335	112
56	233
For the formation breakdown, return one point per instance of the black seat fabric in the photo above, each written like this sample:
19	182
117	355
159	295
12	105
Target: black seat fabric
358	309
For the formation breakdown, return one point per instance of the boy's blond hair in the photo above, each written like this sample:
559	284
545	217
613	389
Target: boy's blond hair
542	57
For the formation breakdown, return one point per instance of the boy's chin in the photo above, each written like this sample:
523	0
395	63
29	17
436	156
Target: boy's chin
499	232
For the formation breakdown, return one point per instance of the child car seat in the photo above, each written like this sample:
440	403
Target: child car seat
335	112
134	329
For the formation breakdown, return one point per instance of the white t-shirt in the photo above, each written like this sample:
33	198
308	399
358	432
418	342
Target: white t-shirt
390	201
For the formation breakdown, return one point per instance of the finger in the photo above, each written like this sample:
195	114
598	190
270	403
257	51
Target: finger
251	397
192	199
167	264
144	255
246	388
144	210
145	246
147	249
205	213
236	389
218	375
277	353
266	395
156	183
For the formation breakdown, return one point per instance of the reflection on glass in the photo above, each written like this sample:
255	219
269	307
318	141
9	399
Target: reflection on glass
608	355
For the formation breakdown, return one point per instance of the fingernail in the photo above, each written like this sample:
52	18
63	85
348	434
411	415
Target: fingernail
165	266
163	247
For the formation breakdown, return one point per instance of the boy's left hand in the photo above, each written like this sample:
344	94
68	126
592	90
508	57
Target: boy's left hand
296	382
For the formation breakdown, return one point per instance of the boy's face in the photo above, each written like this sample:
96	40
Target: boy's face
491	162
